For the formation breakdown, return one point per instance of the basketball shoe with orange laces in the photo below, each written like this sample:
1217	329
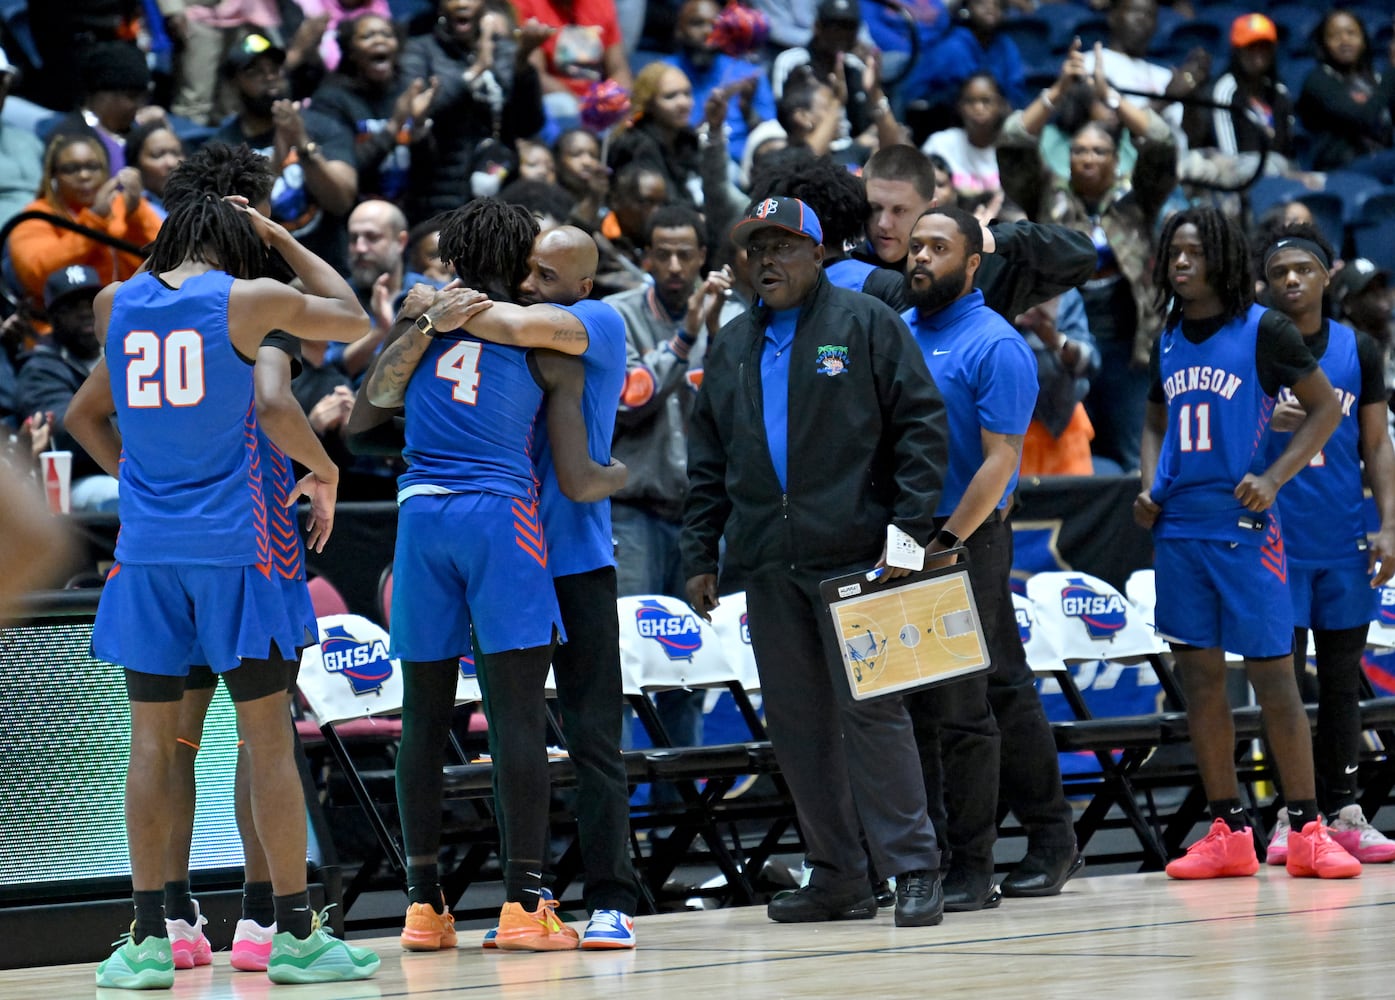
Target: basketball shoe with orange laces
427	930
541	930
1222	853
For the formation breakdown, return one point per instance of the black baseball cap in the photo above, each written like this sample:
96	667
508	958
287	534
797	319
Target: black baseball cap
248	49
70	280
839	12
789	214
1356	276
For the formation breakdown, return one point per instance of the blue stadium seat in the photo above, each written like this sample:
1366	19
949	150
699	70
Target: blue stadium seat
1352	188
14	18
1293	71
1064	20
1187	35
1327	212
1267	192
1374	236
1296	22
1032	34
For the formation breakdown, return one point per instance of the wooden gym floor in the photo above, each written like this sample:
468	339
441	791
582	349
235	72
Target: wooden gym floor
1132	936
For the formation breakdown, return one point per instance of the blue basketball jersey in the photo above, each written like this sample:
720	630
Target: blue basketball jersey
1321	507
471	407
988	377
578	534
1217	414
191	489
849	273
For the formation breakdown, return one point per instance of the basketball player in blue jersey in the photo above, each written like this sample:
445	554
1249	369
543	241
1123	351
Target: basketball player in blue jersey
470	411
1208	495
1333	569
193	566
988	377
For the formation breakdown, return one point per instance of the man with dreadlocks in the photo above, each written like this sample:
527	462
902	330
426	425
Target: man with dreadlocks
471	560
193	568
1208	496
1333	569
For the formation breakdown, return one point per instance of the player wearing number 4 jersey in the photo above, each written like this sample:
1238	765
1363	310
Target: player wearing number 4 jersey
193	565
1208	494
1333	570
471	559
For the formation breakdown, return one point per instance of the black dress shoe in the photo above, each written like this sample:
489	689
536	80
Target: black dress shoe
1043	873
966	891
812	904
920	902
885	894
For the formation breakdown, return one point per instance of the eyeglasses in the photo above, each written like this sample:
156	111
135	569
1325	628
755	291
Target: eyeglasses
88	166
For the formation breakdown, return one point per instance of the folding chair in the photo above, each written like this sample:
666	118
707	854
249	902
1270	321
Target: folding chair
665	646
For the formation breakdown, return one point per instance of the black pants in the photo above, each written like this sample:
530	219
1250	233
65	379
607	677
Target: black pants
1337	741
587	670
1028	778
842	759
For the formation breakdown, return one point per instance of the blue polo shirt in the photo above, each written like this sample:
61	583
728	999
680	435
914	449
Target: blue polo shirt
775	387
988	377
849	273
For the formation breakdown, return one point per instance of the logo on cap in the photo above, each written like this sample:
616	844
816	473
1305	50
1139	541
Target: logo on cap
767	208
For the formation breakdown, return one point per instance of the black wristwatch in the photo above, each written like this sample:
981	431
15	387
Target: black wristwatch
425	326
947	539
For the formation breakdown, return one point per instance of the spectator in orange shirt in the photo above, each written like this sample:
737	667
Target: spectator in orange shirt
77	185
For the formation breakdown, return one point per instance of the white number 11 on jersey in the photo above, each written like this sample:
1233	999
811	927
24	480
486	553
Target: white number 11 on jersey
461	365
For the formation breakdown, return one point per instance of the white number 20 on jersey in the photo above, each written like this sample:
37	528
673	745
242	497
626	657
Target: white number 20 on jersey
461	366
160	372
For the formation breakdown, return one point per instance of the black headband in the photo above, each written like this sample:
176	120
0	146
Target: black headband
1298	243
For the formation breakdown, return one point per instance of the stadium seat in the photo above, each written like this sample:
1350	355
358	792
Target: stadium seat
1269	192
1353	189
1373	234
325	597
1033	35
1328	214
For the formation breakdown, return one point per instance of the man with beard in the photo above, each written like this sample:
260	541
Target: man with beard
377	240
988	377
668	328
317	180
817	434
55	370
750	100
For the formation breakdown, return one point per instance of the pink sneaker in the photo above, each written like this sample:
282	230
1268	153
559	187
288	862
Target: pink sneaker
1277	854
1314	854
1222	853
1360	839
188	942
251	947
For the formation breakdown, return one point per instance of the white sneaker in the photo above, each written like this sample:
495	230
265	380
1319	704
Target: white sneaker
188	942
251	947
609	930
1358	838
1277	854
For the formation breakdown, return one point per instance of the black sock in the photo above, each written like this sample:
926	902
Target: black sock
1301	813
179	903
1232	811
523	883
150	915
257	904
292	914
424	886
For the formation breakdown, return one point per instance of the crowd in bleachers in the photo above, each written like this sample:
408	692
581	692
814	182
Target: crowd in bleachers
1104	117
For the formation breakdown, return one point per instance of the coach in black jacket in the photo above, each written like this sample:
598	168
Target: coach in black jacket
816	426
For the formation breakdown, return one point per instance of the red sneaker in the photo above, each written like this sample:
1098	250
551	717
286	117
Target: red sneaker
1222	853
1313	853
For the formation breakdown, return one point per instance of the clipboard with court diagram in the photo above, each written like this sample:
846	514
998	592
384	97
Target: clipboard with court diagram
908	633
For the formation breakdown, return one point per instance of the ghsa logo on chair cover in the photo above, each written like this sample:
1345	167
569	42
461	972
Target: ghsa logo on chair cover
1024	625
364	662
1386	614
677	634
1103	615
745	629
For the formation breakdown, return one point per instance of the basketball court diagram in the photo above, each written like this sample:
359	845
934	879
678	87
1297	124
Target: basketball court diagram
898	637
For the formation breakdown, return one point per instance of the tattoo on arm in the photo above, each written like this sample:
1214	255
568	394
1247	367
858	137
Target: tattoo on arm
565	335
395	367
1014	442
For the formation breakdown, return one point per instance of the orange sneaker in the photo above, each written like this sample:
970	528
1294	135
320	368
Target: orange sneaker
520	930
1222	853
1314	854
428	930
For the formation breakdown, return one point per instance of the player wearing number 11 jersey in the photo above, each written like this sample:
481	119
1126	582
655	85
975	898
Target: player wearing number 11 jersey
1219	557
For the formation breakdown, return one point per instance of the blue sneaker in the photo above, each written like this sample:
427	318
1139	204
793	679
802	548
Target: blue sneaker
319	958
145	966
609	930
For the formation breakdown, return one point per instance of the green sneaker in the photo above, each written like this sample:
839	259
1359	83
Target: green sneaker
145	966
319	958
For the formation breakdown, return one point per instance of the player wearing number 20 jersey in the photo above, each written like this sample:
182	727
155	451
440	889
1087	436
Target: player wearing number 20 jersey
468	502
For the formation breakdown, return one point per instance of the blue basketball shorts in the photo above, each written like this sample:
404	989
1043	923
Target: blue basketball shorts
470	561
301	613
1332	597
1224	594
160	619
